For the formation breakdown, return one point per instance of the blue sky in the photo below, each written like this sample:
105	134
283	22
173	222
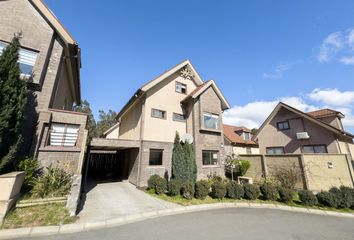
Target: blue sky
258	52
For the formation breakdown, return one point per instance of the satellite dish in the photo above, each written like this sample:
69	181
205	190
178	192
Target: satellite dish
187	138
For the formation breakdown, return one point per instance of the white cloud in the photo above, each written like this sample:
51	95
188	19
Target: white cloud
279	70
338	46
332	97
253	114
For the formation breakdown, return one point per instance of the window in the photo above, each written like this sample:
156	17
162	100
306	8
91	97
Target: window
275	150
211	121
314	149
181	88
246	136
26	61
210	157
63	135
248	150
283	125
179	117
158	113
155	157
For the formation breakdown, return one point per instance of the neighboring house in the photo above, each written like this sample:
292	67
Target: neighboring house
50	62
289	130
238	140
176	101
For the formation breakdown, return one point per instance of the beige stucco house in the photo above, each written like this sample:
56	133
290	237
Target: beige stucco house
238	141
49	60
289	130
176	101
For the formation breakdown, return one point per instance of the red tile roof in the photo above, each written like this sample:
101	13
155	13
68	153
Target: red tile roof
233	137
323	113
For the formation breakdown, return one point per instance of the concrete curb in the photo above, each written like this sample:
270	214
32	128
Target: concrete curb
79	227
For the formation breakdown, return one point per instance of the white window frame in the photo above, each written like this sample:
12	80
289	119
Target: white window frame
63	135
181	87
213	116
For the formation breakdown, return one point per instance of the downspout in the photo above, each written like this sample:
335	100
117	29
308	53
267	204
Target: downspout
138	178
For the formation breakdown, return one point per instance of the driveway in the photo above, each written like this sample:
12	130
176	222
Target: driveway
232	223
115	199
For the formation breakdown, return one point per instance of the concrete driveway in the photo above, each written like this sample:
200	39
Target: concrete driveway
241	223
115	199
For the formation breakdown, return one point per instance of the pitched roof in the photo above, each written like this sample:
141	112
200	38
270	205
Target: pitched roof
233	137
325	113
200	89
305	116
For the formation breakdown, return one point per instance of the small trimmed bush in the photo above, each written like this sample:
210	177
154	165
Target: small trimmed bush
218	190
188	190
202	189
337	196
174	187
152	181
347	197
269	192
327	199
285	195
161	186
235	190
307	198
252	191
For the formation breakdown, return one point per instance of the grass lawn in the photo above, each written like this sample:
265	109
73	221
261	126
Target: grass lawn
185	202
43	215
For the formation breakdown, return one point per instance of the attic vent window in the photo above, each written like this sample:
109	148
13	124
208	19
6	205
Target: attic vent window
181	88
186	73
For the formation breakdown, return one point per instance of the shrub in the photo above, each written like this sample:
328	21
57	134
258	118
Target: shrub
337	196
54	182
161	185
218	190
202	189
327	199
241	166
187	190
251	191
307	198
269	192
174	187
31	168
287	176
235	190
215	178
286	195
152	181
347	197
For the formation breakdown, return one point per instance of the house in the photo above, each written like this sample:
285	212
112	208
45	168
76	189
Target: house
238	140
50	62
289	130
176	101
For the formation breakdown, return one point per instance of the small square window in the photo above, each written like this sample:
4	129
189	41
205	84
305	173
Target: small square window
246	136
248	150
155	157
211	121
158	113
181	88
210	157
283	125
179	117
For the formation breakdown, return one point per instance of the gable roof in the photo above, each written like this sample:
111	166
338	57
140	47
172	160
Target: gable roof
305	116
322	113
231	135
202	88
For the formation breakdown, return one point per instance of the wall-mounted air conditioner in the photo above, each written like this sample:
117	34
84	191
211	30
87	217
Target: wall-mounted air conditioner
302	135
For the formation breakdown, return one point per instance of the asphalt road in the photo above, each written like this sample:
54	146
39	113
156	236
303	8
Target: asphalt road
238	223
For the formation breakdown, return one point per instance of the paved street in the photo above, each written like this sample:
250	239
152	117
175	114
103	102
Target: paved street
115	199
241	223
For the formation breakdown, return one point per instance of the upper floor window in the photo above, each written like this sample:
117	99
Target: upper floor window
179	117
210	157
248	150
26	60
283	125
155	157
181	88
211	121
275	150
314	149
246	136
64	135
158	113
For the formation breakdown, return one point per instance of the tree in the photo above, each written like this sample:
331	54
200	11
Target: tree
13	100
91	122
106	121
189	159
